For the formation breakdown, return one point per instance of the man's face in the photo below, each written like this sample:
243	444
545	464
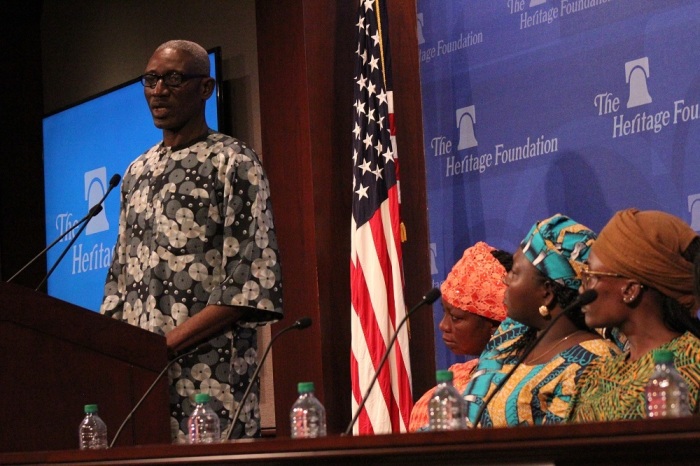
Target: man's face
173	108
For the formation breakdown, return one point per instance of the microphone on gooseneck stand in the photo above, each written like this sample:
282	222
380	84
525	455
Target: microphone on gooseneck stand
114	181
94	210
429	298
150	389
584	298
300	324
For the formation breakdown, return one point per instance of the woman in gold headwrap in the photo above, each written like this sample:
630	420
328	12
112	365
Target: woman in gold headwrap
642	268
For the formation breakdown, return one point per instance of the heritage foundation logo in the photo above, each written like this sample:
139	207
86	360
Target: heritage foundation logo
694	208
636	75
466	118
419	26
646	121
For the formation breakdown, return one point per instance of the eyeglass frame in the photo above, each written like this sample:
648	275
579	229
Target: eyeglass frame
587	274
183	78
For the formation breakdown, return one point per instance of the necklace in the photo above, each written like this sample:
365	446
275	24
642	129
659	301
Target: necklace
552	348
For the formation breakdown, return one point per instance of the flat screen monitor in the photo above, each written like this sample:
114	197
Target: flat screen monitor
85	145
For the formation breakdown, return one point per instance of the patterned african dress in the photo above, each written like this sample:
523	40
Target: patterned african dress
613	389
196	228
461	373
535	394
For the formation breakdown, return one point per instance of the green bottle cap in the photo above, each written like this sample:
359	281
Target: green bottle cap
663	356
200	398
305	387
90	409
443	376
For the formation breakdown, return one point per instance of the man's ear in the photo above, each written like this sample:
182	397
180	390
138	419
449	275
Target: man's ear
207	87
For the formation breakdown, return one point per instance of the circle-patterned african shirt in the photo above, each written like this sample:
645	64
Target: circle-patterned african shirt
196	228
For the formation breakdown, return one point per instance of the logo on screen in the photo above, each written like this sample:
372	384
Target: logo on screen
636	75
433	256
466	118
694	208
419	25
95	189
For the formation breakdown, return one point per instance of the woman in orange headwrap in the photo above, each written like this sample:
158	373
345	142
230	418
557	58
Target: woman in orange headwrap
642	267
472	298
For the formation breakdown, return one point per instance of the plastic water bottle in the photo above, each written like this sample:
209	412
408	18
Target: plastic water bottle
447	410
307	416
666	392
204	425
92	431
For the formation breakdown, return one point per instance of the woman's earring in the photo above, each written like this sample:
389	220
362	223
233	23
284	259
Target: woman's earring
544	312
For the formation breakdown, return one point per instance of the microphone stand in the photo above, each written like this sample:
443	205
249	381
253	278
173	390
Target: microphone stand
150	389
299	324
584	298
63	235
429	298
96	209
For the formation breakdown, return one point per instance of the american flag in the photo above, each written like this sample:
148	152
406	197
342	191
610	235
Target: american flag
376	270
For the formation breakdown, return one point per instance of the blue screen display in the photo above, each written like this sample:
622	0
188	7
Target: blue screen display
84	147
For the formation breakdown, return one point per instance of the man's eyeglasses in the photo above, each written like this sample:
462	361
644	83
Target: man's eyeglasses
589	278
170	79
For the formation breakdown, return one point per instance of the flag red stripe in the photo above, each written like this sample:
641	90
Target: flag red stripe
379	231
362	419
370	322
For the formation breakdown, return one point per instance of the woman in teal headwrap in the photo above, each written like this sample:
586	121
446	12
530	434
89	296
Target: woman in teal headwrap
544	280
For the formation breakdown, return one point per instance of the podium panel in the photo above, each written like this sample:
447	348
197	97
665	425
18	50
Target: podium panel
56	357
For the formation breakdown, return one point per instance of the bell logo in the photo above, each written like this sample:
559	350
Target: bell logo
466	118
694	208
419	26
95	188
433	256
636	75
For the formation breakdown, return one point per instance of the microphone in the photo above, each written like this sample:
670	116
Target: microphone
94	210
429	298
300	324
150	388
584	298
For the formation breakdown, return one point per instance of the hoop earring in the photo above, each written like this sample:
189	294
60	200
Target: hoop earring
544	311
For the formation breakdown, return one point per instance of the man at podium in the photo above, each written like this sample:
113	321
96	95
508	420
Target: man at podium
196	257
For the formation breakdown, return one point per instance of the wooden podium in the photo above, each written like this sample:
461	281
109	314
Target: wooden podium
56	357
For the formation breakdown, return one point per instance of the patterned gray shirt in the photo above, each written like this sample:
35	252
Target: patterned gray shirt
196	228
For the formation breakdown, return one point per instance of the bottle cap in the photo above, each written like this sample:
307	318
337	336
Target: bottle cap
200	398
90	409
443	376
663	356
305	387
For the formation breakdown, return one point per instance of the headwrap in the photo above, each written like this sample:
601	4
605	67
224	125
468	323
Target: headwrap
647	246
558	246
475	283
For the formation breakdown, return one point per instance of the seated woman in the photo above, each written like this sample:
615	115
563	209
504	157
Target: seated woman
472	298
528	371
642	268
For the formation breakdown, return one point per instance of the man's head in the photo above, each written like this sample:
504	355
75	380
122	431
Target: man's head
176	85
